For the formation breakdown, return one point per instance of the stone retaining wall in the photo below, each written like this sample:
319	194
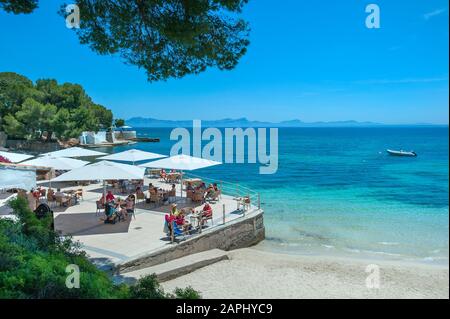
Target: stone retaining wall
32	146
239	233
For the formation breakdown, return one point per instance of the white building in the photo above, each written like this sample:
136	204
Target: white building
87	138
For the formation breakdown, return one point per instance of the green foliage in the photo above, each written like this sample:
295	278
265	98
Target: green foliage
18	6
170	38
33	261
13	127
119	122
29	111
147	288
187	293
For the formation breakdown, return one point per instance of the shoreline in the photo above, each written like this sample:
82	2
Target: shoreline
355	254
254	273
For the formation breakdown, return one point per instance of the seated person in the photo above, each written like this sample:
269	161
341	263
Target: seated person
169	218
153	191
64	197
181	221
110	197
163	174
189	187
121	213
51	193
110	211
207	210
172	192
139	190
189	190
165	197
202	187
36	193
206	213
210	190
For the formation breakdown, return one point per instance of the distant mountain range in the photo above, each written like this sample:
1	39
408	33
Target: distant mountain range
244	122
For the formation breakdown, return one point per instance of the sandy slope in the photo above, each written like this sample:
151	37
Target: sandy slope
251	273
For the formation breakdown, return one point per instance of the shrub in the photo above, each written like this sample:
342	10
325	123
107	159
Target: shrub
33	261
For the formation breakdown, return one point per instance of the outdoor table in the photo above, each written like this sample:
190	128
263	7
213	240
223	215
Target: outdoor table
242	201
238	201
195	218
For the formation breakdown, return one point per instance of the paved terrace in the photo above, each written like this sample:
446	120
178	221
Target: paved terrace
136	237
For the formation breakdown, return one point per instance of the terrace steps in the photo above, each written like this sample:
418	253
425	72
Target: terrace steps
176	267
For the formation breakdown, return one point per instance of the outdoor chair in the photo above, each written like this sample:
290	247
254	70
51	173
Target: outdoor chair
140	196
197	197
206	217
212	196
155	198
177	231
100	207
189	194
245	203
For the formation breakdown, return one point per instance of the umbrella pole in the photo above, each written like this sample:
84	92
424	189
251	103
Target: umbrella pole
181	186
104	191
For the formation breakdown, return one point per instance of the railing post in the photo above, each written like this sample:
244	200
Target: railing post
223	213
259	201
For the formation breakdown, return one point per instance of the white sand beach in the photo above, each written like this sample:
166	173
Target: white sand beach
252	273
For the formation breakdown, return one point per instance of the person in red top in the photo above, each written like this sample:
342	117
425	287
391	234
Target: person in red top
169	219
207	210
36	193
206	213
109	197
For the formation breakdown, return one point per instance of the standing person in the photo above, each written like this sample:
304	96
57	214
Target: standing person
129	205
172	194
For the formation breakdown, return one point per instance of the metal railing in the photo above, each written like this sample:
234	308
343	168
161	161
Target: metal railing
228	188
236	190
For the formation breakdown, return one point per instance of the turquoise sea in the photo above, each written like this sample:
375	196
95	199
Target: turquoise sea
338	192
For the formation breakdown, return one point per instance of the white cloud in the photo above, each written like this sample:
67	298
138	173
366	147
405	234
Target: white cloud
434	13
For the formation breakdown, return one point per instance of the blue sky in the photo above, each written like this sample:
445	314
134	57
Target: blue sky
308	60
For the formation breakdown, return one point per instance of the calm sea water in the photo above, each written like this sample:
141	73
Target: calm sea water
338	192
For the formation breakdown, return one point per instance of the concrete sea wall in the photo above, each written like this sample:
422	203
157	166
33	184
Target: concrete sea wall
240	233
